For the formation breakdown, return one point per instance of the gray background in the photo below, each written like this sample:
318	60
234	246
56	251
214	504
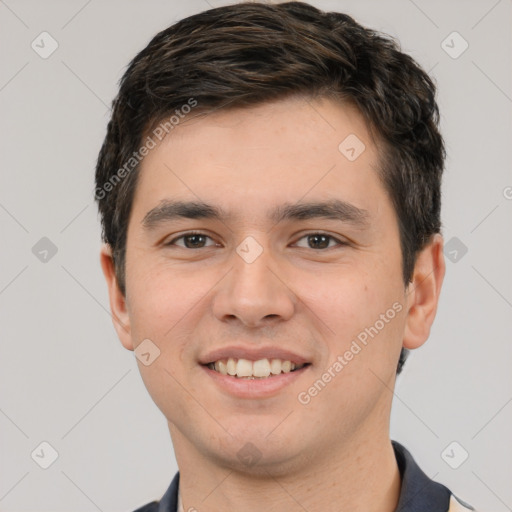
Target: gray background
65	378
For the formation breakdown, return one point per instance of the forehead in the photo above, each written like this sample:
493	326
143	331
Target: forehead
246	160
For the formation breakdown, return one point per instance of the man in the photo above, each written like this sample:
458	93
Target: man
269	189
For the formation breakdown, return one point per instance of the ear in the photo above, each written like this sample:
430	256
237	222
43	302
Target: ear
120	317
423	293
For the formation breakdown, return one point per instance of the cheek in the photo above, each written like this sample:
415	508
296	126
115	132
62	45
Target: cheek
342	299
161	298
361	307
163	305
166	305
367	319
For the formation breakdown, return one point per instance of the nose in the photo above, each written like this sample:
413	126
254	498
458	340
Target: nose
254	294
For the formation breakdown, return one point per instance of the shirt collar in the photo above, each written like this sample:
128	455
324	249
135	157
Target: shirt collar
169	501
418	492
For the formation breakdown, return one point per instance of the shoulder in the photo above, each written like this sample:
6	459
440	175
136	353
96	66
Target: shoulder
419	492
150	507
169	501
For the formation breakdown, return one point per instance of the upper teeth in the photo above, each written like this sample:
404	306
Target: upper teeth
259	368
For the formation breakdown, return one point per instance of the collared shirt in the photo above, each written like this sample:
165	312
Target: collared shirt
418	492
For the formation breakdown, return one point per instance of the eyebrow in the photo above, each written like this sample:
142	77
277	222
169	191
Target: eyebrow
334	209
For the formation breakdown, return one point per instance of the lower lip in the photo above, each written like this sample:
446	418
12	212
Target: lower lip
255	388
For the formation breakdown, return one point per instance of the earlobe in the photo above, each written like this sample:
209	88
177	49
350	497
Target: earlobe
120	317
423	293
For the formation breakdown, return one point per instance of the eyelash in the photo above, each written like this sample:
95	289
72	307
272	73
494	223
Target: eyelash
192	233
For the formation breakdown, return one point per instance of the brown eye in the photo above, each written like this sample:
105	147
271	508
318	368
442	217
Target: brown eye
320	241
192	241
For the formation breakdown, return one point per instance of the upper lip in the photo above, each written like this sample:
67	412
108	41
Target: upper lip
252	354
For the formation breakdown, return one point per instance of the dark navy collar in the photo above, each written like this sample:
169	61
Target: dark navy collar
418	492
169	501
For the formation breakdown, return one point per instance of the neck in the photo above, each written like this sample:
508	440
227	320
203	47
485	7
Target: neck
361	475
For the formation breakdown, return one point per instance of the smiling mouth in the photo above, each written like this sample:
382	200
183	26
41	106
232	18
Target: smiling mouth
260	369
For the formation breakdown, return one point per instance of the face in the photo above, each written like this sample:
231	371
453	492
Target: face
288	258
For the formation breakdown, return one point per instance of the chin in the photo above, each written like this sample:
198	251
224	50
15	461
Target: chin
255	463
255	452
